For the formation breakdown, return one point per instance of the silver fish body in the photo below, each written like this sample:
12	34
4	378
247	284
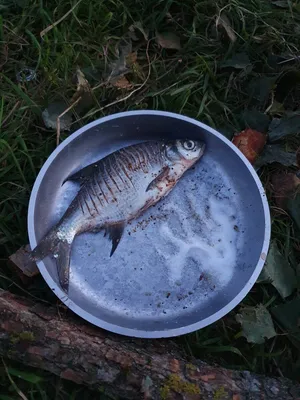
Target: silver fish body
115	190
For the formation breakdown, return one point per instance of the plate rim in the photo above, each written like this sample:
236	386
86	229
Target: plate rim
138	332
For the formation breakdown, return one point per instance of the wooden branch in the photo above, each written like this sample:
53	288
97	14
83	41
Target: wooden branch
62	343
20	259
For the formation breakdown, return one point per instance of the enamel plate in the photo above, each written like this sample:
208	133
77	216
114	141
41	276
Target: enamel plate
184	263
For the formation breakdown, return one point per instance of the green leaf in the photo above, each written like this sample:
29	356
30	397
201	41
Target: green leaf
287	315
278	272
168	40
238	61
255	120
275	153
281	3
281	127
256	323
260	88
227	130
26	376
93	74
51	113
273	61
293	208
276	109
286	82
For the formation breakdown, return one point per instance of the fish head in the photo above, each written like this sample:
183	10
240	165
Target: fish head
185	152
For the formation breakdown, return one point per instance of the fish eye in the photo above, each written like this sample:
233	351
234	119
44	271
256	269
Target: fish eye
189	145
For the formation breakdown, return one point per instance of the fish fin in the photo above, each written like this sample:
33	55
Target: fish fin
115	233
164	173
81	175
51	244
63	264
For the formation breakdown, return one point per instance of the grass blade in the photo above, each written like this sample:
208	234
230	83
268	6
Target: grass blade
26	376
30	103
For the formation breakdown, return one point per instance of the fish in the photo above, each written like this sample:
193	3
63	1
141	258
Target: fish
114	191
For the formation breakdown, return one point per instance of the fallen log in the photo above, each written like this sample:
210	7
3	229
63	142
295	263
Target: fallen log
62	343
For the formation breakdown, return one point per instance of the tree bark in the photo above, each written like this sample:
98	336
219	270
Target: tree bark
62	343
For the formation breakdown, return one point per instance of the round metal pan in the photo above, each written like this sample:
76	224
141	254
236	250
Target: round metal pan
184	263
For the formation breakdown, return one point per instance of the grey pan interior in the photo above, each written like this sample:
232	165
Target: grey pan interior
183	264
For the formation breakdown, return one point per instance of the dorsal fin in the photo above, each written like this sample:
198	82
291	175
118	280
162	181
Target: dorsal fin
81	175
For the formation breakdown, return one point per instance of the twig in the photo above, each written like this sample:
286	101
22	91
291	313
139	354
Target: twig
130	94
10	113
46	30
99	85
20	393
61	115
271	104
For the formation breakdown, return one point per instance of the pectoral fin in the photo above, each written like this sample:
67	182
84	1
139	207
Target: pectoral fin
115	233
164	173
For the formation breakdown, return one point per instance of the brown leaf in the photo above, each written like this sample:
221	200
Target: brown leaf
285	186
83	85
168	40
122	83
222	21
131	59
138	26
250	142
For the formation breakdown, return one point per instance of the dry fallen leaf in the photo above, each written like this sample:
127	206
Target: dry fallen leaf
138	26
285	186
131	58
168	40
83	85
53	111
122	83
250	142
222	21
119	67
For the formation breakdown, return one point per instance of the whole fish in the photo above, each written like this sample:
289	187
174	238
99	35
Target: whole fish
115	190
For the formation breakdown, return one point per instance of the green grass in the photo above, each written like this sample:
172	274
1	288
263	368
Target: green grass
39	385
189	81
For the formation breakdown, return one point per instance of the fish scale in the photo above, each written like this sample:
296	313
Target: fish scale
115	190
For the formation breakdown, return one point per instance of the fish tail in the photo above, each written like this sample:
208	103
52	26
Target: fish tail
61	249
